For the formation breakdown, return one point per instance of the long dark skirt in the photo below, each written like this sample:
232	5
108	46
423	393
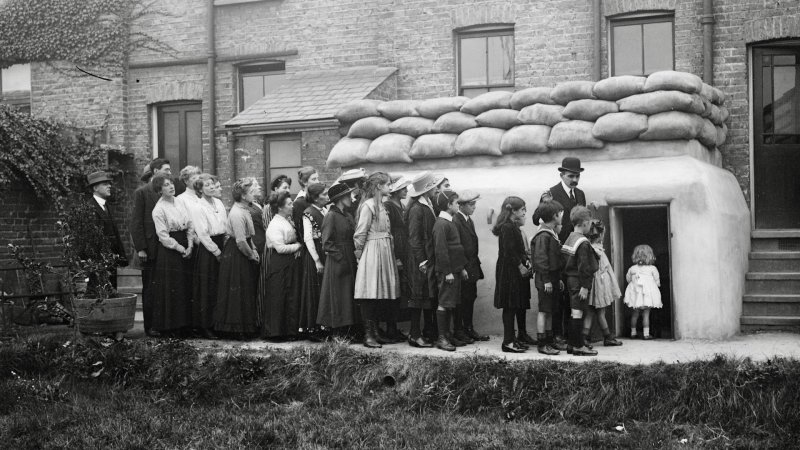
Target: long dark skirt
205	286
281	295
310	292
172	291
336	304
236	310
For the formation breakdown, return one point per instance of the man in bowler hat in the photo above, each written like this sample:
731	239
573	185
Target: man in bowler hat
100	183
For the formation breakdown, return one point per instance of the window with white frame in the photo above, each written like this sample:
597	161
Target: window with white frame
258	80
485	60
642	44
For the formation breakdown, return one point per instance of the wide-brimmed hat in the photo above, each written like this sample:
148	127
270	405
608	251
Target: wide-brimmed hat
424	182
468	196
398	184
338	190
97	177
352	176
571	164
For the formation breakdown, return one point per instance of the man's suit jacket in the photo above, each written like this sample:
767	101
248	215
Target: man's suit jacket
469	240
110	231
143	230
562	197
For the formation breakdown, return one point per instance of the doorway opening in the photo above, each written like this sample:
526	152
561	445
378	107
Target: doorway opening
632	225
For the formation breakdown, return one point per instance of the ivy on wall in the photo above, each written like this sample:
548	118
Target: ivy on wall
87	33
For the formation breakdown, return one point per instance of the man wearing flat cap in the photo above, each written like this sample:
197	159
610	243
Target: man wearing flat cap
100	183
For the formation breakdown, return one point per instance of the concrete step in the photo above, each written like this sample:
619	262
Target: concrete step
129	277
772	283
769	323
774	261
771	305
775	240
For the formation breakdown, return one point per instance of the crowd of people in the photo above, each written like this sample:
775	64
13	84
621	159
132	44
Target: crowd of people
355	258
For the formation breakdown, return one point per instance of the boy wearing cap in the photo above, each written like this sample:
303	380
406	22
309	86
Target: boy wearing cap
463	329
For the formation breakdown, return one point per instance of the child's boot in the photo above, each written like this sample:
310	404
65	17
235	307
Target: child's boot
544	346
609	340
554	342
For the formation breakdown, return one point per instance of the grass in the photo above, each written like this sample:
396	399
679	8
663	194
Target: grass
166	394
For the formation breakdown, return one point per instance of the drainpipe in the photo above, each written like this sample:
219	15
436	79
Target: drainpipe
212	89
597	15
708	41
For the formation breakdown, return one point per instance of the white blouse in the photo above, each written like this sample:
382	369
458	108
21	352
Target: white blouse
282	236
209	220
172	216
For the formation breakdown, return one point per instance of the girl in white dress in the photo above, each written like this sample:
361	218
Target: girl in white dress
605	290
642	292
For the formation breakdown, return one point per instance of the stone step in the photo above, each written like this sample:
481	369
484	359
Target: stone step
771	305
774	261
129	277
769	323
772	283
775	240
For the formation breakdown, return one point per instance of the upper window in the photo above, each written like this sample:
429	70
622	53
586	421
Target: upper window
180	133
284	158
642	45
16	84
485	61
258	80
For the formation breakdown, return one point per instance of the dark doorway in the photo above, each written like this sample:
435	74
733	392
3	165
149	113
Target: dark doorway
776	135
632	226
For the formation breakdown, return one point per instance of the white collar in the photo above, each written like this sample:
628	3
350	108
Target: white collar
566	188
317	207
100	201
446	216
466	217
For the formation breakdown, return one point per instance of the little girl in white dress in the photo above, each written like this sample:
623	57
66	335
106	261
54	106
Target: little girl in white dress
642	292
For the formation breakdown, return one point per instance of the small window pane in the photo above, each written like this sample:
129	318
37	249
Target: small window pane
194	138
273	81
786	100
252	89
766	60
473	61
17	78
766	94
501	59
628	50
657	39
782	60
172	137
284	153
473	92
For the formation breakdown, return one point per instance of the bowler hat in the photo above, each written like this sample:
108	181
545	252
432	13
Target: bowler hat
571	164
97	177
424	182
338	190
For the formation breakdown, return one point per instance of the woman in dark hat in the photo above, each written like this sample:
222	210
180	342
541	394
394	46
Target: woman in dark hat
172	290
313	258
336	304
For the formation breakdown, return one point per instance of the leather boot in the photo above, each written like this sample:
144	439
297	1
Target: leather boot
370	335
443	344
475	335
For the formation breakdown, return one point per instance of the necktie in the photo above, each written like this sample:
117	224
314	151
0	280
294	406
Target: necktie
572	195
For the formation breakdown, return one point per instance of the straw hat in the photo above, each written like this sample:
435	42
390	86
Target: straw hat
423	183
399	183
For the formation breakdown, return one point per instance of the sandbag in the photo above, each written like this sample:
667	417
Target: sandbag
392	147
435	107
540	114
348	152
568	91
717	96
672	125
589	110
396	109
454	122
498	118
357	109
619	127
661	101
487	101
670	80
429	146
479	141
615	88
412	126
369	128
715	115
724	114
525	139
707	92
531	96
722	134
573	134
343	130
708	134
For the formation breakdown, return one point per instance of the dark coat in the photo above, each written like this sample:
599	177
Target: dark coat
581	261
110	231
546	259
469	240
511	290
450	258
562	197
143	230
420	220
336	305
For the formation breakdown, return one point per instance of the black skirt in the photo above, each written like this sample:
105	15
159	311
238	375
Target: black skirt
310	288
205	284
236	310
282	292
172	290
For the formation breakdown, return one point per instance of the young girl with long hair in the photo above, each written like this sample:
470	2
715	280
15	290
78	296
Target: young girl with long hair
605	290
642	292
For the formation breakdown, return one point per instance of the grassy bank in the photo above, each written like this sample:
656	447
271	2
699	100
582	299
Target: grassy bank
145	394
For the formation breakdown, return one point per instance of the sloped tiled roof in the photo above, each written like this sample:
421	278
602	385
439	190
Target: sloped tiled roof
313	95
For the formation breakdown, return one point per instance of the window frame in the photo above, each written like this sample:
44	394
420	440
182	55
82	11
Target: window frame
638	19
268	169
490	31
158	120
255	68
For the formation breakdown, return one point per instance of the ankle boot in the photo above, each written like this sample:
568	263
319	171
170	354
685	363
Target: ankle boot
370	335
610	341
544	347
443	344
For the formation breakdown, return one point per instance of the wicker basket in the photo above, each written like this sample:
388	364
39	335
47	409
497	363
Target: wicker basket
112	315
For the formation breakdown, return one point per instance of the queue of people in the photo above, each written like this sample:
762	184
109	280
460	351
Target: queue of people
353	260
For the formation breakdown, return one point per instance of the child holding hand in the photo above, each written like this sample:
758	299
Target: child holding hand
642	292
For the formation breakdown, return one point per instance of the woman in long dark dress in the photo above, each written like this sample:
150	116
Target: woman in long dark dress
399	231
281	310
336	303
257	214
237	310
512	292
313	258
172	290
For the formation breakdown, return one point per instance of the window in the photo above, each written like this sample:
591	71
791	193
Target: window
16	86
642	45
283	158
485	61
258	80
180	134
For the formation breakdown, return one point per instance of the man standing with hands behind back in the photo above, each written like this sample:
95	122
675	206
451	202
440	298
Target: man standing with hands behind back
100	183
567	193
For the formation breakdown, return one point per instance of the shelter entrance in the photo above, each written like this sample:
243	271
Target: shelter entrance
632	225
